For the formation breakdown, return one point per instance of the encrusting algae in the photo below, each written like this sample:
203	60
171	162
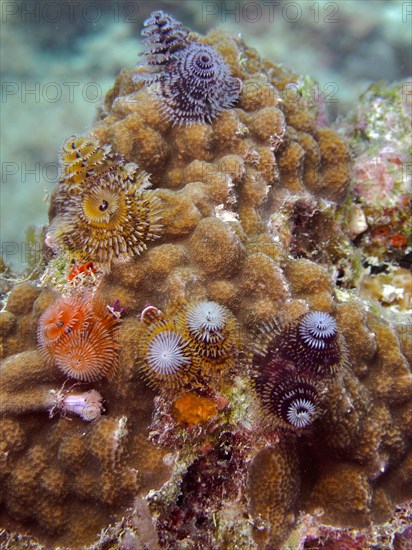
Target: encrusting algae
211	375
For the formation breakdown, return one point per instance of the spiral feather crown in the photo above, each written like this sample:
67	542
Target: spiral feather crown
104	211
192	81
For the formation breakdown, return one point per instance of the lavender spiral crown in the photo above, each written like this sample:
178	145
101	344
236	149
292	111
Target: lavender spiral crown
194	83
198	86
164	36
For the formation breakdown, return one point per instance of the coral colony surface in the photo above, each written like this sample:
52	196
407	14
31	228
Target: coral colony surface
199	366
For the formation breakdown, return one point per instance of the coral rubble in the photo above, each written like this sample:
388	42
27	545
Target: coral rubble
246	382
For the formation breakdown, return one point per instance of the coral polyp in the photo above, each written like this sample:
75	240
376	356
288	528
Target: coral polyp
313	343
110	216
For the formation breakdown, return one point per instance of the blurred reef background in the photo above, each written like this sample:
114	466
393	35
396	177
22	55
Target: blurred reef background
57	64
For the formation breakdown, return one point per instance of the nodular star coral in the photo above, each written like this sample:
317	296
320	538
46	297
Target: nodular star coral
224	455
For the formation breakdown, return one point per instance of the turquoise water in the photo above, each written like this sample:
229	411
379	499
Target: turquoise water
59	59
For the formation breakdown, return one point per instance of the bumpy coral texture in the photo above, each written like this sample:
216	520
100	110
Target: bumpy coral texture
248	208
273	489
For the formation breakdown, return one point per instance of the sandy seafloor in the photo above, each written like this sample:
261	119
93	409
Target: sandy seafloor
59	58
